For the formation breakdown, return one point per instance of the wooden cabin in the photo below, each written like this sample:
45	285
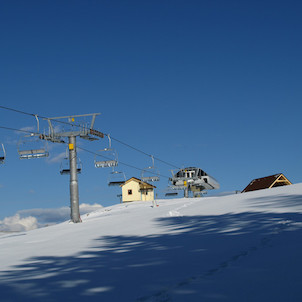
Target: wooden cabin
135	189
267	182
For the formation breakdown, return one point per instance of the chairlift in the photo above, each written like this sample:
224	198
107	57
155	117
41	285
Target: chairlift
65	166
3	155
150	174
116	178
111	157
32	147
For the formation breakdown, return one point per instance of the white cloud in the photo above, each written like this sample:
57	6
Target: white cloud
88	208
17	224
47	216
30	219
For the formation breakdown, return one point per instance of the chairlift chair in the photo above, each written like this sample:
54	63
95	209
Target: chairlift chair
150	174
116	178
65	167
34	148
3	155
111	157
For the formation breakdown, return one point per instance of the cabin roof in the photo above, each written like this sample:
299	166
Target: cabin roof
142	184
267	182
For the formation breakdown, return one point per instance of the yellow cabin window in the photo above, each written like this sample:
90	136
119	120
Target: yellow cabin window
129	192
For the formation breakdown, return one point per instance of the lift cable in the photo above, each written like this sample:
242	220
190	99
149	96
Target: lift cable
39	116
149	155
117	140
83	149
125	164
20	130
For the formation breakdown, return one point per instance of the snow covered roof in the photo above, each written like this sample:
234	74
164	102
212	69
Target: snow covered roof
267	182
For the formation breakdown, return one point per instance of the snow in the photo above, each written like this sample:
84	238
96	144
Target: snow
241	247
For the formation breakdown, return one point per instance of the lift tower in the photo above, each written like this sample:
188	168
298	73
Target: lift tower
83	130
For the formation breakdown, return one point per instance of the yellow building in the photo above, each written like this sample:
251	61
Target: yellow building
135	189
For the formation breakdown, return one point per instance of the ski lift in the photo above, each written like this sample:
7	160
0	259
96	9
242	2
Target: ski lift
116	178
111	157
34	147
65	167
3	155
150	174
193	179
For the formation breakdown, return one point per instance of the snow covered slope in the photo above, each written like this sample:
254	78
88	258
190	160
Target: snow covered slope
244	247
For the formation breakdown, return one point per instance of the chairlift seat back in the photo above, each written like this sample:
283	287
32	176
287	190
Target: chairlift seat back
150	178
105	163
34	153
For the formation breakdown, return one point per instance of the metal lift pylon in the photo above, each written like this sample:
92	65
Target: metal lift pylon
85	132
74	184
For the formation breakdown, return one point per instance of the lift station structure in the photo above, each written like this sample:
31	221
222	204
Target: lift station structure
192	179
82	130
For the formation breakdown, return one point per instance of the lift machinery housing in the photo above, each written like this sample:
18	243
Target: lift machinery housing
192	179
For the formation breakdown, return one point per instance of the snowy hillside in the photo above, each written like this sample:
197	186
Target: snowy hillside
244	247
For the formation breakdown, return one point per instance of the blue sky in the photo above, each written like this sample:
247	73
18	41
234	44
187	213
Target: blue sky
213	84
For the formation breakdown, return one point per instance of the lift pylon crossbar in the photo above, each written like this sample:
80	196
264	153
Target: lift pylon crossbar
84	131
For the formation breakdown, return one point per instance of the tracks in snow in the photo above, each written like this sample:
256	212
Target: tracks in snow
165	294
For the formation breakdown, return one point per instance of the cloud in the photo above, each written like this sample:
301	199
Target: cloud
26	220
88	208
17	224
47	216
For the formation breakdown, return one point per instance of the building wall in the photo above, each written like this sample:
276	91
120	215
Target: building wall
149	196
136	194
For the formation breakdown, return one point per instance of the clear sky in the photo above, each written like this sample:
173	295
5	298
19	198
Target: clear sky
214	84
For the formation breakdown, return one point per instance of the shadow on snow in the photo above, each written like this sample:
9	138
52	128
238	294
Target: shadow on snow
175	266
282	201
